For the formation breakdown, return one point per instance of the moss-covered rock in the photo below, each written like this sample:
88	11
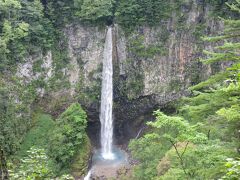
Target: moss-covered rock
81	161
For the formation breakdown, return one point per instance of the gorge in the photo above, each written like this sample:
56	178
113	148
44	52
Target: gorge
109	158
118	89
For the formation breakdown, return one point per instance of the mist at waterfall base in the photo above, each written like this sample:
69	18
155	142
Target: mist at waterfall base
119	157
108	156
107	167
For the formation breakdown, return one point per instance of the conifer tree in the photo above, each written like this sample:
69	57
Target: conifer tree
229	50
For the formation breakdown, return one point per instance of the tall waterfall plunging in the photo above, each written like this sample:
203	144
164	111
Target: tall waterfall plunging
110	158
107	98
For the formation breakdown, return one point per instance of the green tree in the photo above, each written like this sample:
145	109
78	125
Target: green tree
68	135
14	114
201	161
10	28
35	166
132	13
24	30
176	129
233	169
227	51
95	10
217	101
168	132
227	82
147	151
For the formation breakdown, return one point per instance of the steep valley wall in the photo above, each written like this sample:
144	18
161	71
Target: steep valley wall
152	66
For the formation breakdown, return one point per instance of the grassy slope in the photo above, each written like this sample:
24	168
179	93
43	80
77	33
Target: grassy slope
37	135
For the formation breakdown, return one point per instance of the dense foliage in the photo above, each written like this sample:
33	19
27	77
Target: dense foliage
95	10
196	143
23	30
37	136
35	166
68	136
49	148
14	117
204	134
135	12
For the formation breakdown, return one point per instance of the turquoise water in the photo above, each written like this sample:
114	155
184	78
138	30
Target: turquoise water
120	157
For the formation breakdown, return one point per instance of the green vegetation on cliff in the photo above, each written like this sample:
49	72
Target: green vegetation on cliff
200	141
59	147
68	135
23	30
194	143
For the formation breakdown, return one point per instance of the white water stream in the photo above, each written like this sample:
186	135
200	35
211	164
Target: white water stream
107	160
107	99
87	177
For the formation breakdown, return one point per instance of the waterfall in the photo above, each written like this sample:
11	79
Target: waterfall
107	99
87	177
139	132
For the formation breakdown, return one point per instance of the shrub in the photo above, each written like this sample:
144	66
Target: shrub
68	135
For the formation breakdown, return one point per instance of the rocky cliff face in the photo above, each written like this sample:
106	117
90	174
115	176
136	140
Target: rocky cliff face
153	66
158	64
85	49
165	57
